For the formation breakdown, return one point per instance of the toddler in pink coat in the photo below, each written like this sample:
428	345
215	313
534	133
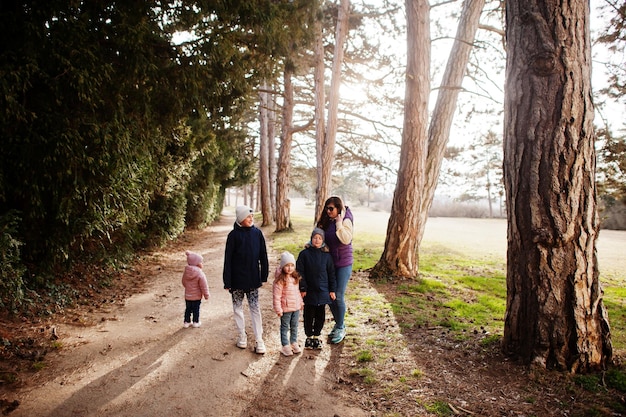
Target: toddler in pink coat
196	286
287	303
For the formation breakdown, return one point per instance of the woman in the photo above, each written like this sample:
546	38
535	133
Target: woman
337	221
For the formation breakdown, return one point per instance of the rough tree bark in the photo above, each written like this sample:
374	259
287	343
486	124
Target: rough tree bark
271	157
445	106
410	208
283	205
555	317
399	258
264	171
320	110
326	138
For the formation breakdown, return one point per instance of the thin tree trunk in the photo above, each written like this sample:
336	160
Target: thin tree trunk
445	106
420	171
254	202
264	172
283	205
271	147
320	124
399	258
555	317
489	193
327	148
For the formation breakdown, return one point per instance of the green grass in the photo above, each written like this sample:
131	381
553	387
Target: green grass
365	373
616	378
440	408
8	377
39	365
614	301
590	383
457	291
364	356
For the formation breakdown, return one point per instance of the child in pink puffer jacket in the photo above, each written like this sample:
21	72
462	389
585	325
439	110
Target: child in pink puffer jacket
288	303
196	286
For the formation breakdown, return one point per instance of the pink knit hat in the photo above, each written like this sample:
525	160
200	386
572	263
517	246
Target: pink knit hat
193	259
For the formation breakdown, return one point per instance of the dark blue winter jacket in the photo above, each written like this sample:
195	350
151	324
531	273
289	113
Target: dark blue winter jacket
318	275
245	259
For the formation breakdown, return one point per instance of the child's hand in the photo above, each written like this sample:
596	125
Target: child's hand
303	294
333	296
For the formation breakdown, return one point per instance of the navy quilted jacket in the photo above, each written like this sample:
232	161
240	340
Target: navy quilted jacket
318	275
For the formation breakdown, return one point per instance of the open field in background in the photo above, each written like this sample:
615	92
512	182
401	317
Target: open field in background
475	237
466	256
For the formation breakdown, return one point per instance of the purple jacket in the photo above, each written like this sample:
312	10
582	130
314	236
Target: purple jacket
341	253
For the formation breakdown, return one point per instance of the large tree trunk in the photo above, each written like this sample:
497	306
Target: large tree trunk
326	148
555	316
399	258
283	207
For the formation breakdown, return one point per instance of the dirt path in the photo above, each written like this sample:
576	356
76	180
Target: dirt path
139	361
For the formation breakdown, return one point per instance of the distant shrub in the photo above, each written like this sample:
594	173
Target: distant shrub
11	268
613	216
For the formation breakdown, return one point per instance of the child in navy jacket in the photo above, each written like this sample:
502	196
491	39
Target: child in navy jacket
317	285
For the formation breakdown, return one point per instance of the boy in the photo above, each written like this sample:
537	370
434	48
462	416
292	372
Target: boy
246	268
317	286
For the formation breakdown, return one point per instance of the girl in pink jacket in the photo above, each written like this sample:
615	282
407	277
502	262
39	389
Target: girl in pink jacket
196	286
288	303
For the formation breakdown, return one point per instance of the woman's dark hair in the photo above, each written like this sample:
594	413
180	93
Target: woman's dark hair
324	220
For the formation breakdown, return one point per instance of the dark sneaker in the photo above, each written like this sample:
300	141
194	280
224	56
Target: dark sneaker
340	334
316	343
308	343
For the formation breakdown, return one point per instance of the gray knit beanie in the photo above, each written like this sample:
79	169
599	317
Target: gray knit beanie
318	231
242	212
286	258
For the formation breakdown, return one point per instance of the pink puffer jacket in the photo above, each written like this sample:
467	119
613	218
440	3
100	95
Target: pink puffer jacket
287	296
195	283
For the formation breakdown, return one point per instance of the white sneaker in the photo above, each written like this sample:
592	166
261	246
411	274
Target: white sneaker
242	341
259	347
295	348
196	324
186	324
286	350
